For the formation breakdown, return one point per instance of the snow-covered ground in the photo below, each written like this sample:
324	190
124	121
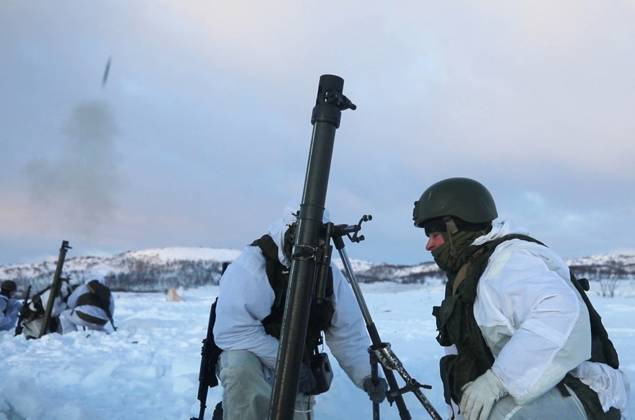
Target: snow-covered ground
148	369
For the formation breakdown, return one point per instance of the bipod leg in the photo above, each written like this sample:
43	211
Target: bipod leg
390	361
394	396
404	414
374	373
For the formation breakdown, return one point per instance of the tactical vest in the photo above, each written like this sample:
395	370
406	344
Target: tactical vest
321	311
457	326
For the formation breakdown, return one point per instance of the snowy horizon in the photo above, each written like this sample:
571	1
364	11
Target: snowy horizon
178	253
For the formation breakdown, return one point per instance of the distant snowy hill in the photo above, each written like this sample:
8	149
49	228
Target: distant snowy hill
160	269
145	270
619	265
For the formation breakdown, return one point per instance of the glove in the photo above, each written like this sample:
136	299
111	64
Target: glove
480	395
376	391
306	380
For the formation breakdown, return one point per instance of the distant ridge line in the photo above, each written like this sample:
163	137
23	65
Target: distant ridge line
158	269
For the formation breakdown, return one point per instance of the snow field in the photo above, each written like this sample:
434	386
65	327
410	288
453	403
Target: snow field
149	367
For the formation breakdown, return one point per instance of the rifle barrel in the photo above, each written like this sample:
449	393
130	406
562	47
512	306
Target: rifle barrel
18	325
55	287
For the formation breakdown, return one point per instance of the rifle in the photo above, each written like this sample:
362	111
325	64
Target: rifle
112	323
209	357
23	309
55	287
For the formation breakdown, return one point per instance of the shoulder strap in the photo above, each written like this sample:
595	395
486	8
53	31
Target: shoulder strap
469	274
278	276
276	271
267	246
490	246
602	349
483	252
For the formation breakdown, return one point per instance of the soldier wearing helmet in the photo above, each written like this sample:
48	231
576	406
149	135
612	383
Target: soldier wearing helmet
522	340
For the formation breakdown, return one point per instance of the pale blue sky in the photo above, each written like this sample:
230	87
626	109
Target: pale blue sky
205	119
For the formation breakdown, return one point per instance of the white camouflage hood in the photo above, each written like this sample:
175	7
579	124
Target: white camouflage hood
500	228
278	228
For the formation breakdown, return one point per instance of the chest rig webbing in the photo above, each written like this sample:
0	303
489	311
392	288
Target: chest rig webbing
457	326
278	275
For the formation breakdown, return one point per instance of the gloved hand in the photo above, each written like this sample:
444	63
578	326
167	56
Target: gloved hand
376	391
306	380
480	395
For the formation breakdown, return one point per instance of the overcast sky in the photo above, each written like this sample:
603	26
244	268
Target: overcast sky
200	136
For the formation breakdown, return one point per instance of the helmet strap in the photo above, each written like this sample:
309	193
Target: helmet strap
451	230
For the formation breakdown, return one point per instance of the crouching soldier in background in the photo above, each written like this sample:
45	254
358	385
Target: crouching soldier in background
9	305
90	306
249	316
33	312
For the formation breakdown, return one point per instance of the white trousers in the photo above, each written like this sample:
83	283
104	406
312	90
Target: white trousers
32	328
551	405
246	390
70	321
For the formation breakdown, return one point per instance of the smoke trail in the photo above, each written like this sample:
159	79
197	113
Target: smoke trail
78	188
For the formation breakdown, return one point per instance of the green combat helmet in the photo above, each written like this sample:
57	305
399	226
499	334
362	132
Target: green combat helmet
462	198
7	287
